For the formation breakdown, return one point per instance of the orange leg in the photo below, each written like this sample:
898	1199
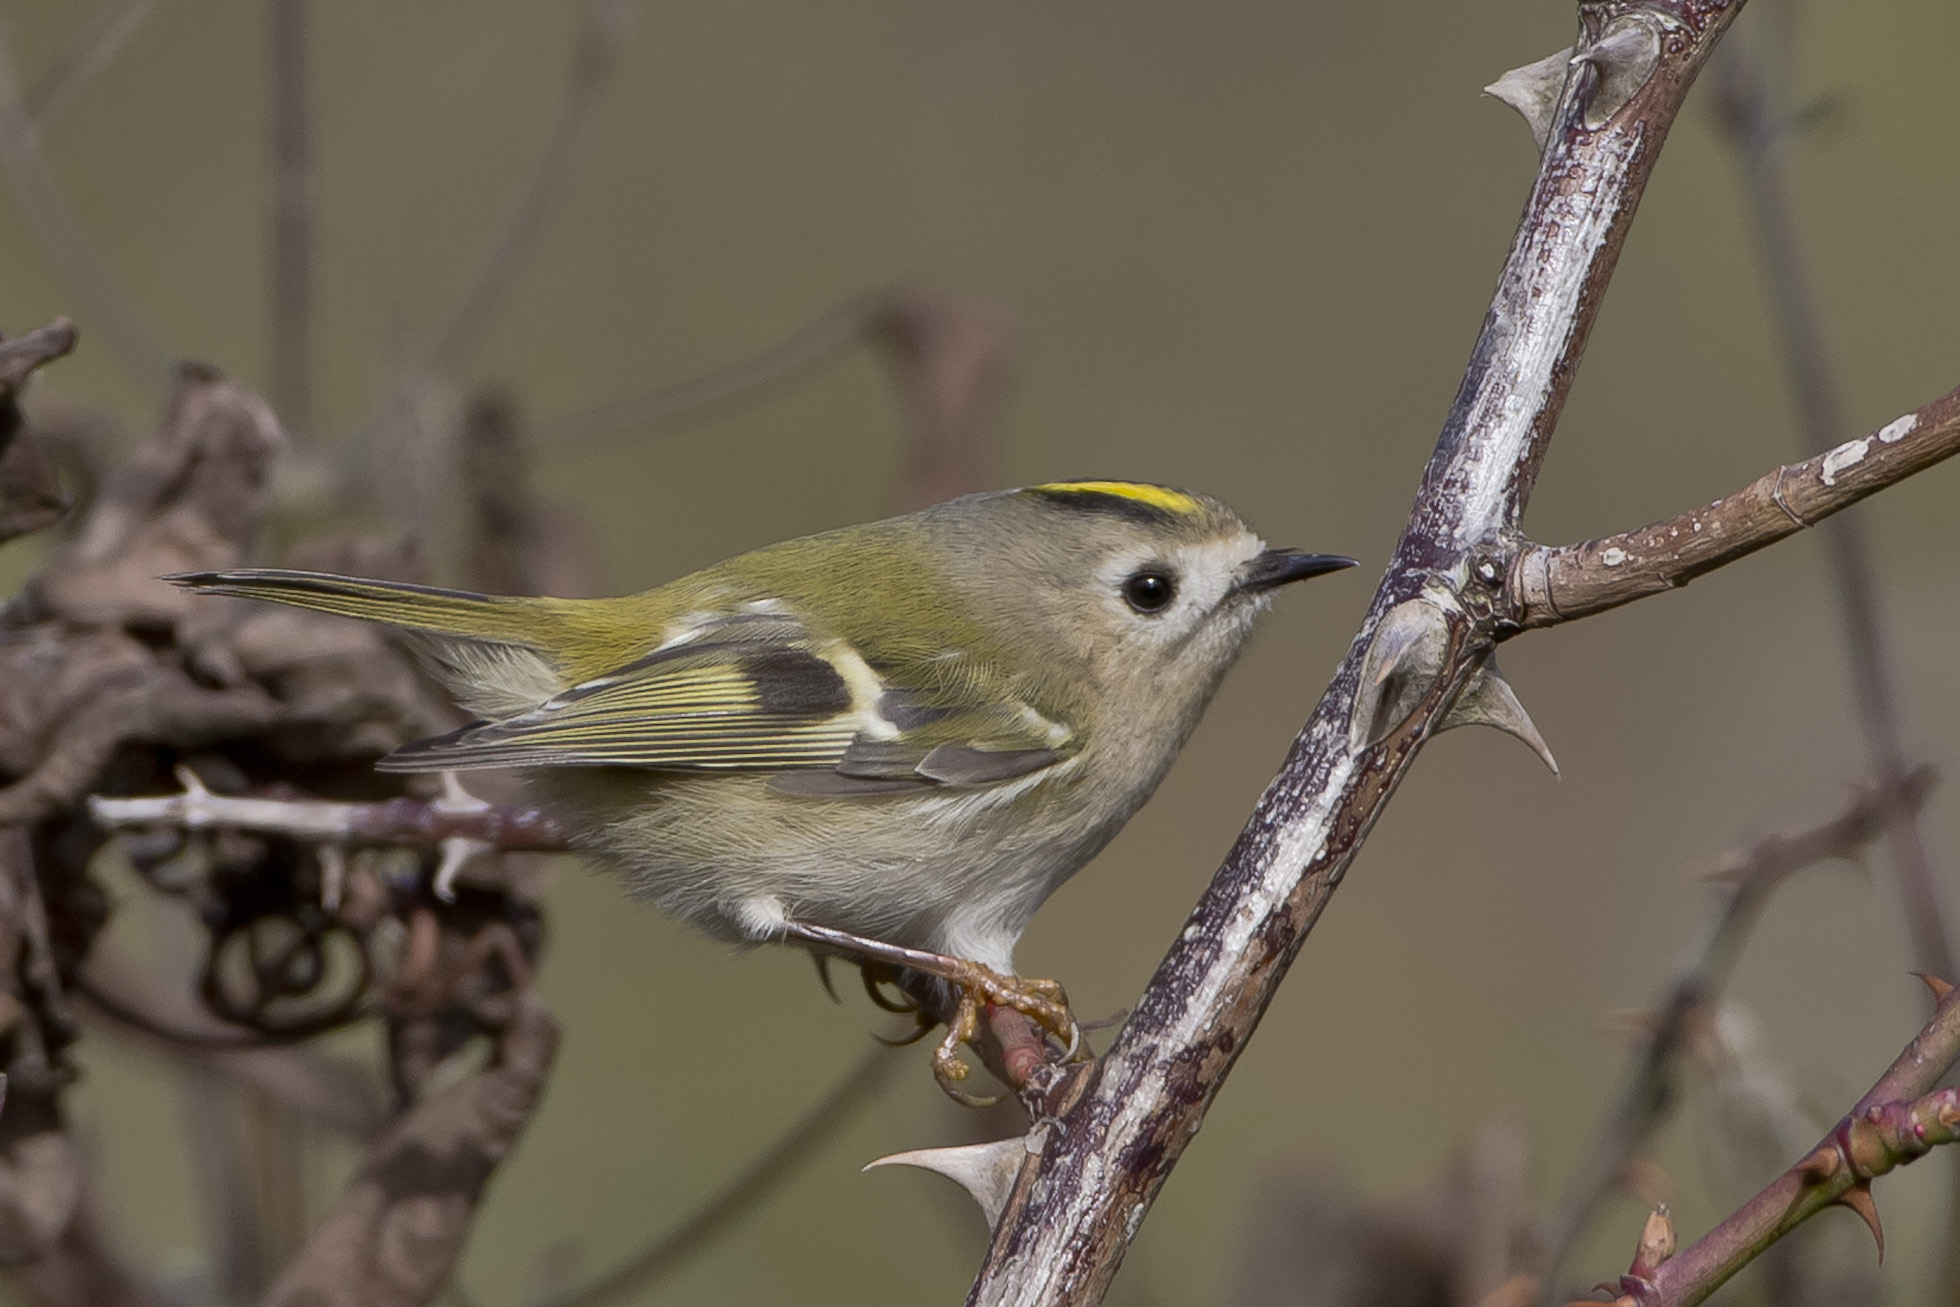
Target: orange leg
1041	1001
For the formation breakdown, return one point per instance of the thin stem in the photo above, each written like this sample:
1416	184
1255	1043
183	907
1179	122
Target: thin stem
62	81
803	1140
67	247
292	220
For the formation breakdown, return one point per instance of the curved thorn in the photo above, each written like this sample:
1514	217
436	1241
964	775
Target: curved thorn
986	1171
1940	988
1859	1199
1489	700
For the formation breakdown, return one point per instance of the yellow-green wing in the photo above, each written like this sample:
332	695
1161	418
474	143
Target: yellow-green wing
757	693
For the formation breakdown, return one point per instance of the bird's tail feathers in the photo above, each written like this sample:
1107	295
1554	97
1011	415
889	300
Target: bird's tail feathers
498	656
458	613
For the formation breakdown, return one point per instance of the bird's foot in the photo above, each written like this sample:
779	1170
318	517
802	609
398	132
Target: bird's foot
980	989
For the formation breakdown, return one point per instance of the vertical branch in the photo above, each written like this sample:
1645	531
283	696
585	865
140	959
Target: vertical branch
949	359
292	221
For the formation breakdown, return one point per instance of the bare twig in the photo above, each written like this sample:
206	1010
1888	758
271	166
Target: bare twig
1648	1087
292	220
61	236
1896	1121
594	57
413	822
1559	583
804	1138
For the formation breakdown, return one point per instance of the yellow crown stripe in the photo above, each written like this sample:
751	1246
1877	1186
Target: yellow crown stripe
1171	501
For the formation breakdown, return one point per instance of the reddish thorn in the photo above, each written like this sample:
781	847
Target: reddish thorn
1940	988
1859	1199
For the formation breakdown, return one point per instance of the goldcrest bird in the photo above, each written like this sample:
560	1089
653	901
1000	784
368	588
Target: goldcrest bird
892	741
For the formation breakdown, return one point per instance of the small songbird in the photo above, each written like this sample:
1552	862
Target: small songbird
890	741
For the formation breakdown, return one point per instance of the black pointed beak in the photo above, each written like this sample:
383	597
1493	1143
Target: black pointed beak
1277	567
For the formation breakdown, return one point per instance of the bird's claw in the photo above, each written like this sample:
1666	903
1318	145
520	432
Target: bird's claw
1041	1001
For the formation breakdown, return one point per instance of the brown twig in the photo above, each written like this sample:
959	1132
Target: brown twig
1560	583
31	496
1648	1087
1897	1120
774	1166
949	359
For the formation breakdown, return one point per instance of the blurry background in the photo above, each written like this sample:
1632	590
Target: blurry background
1248	245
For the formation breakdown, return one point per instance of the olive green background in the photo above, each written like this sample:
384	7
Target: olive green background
1248	244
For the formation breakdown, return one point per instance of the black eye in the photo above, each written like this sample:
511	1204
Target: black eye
1149	591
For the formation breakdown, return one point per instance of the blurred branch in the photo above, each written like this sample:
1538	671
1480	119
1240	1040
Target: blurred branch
62	238
80	1270
1899	1119
660	412
292	220
1648	1087
152	1014
30	489
1560	583
948	358
595	55
773	1168
950	361
397	1232
94	49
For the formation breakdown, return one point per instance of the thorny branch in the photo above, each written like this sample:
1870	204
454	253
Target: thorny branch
1897	1120
1454	587
1648	1088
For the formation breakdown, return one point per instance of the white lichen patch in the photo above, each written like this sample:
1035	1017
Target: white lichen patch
1897	429
1613	557
1849	454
